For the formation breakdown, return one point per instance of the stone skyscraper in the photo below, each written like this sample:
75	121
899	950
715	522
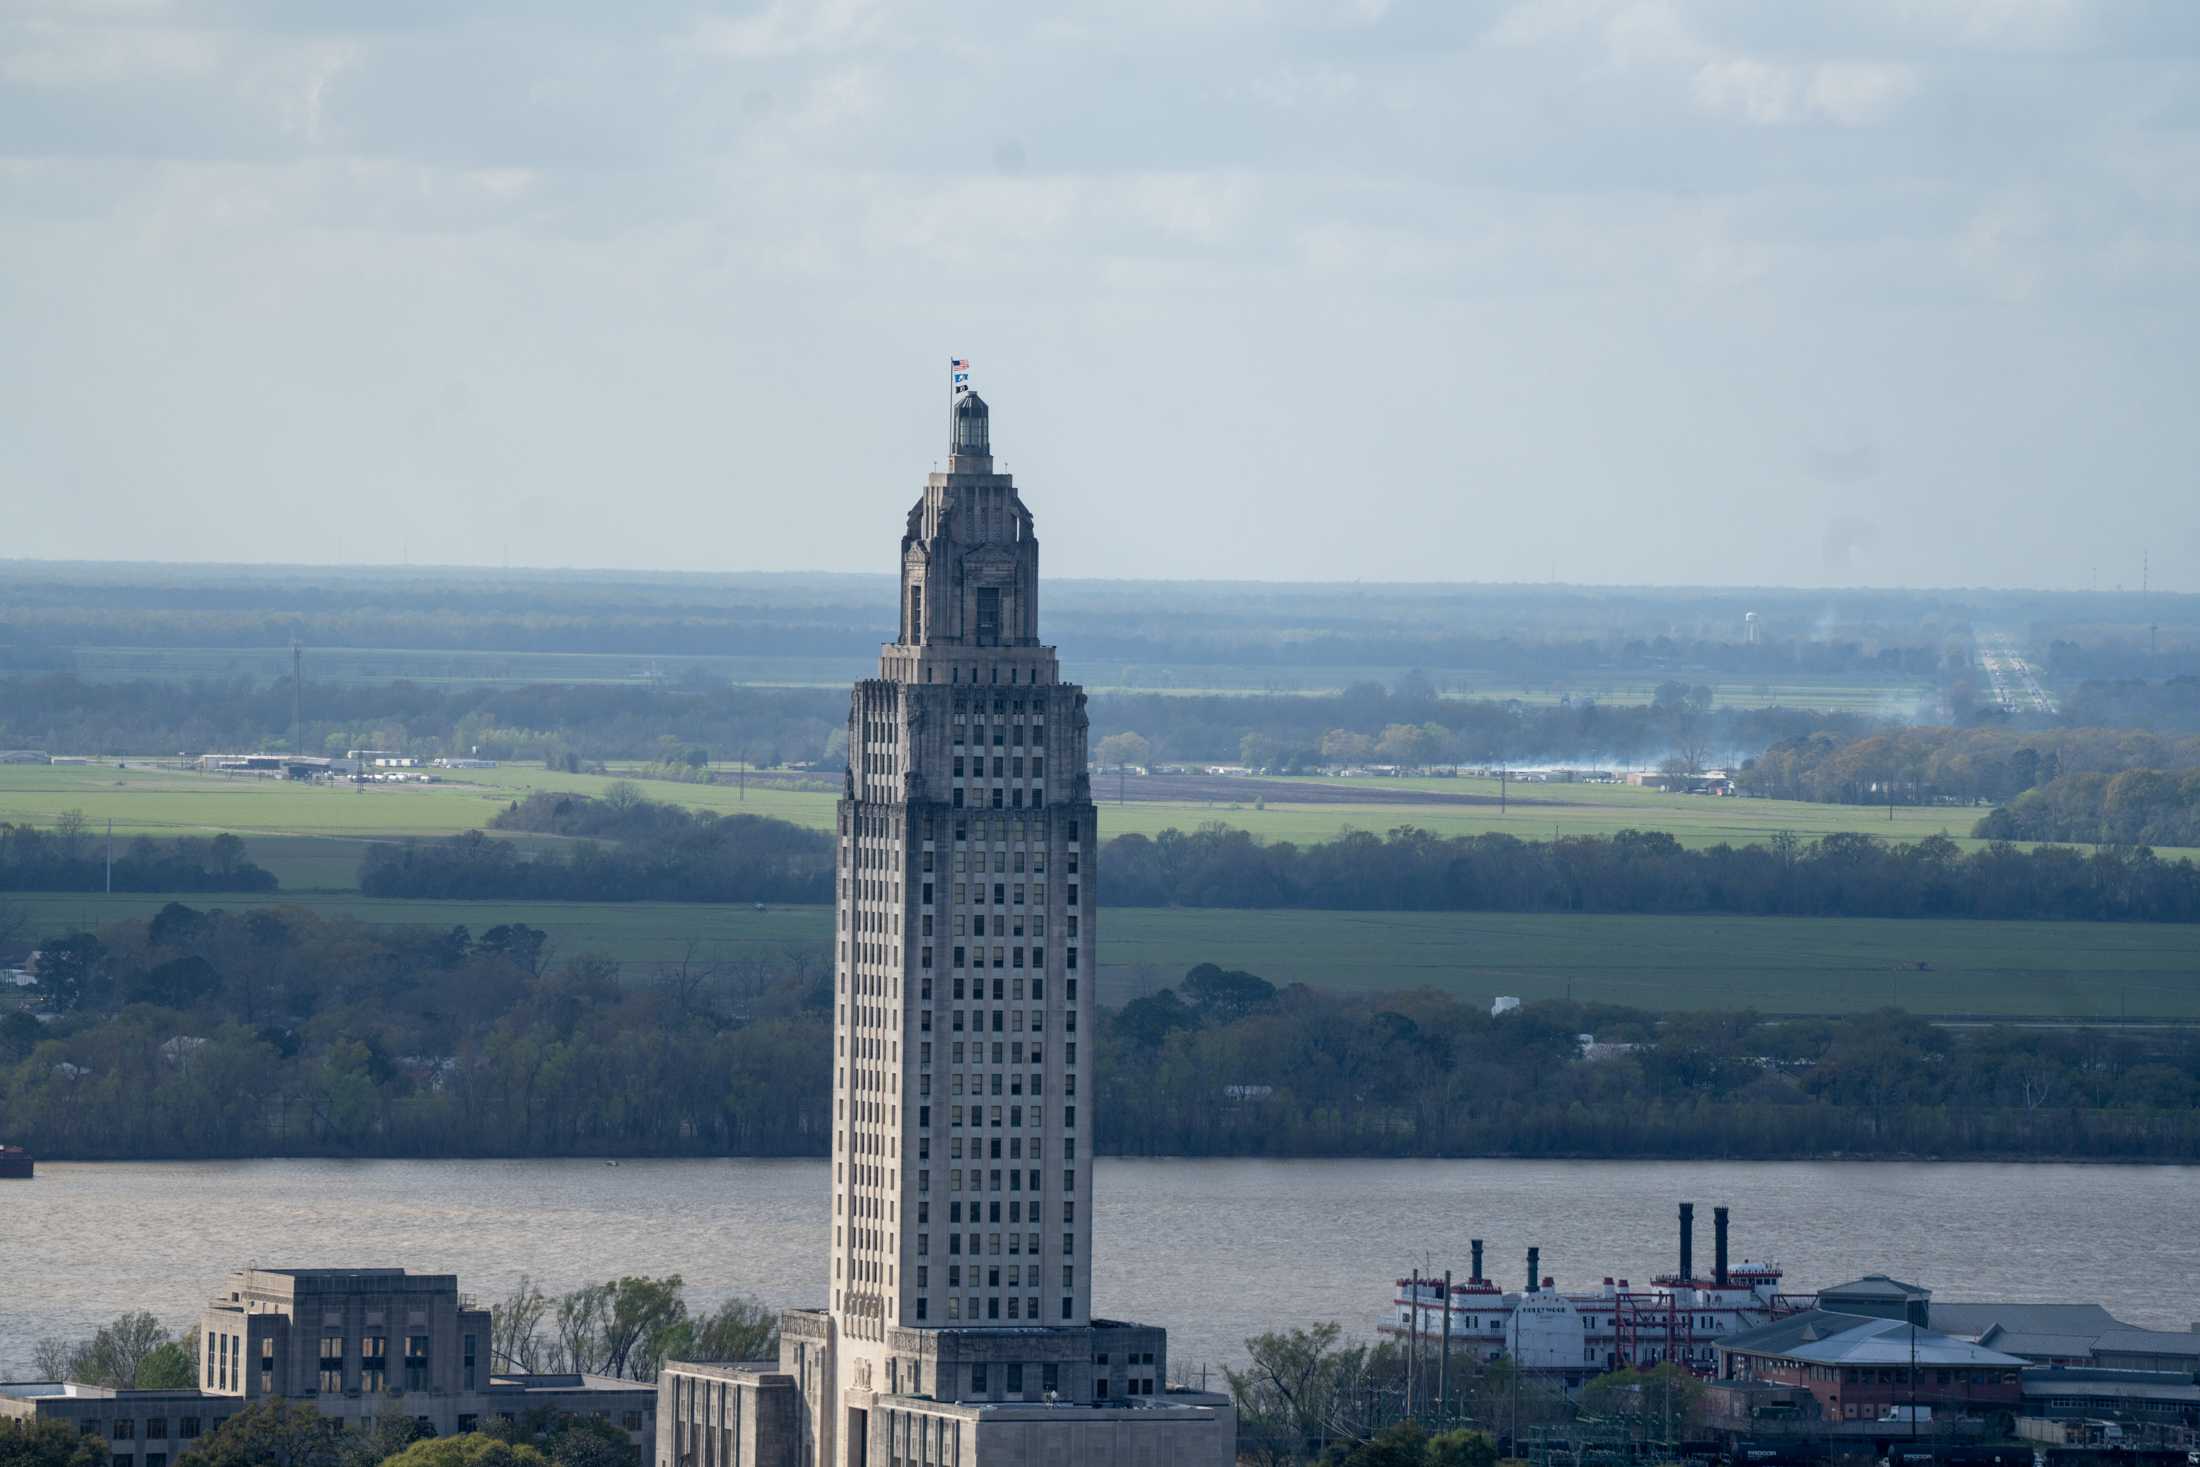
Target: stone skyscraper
960	1324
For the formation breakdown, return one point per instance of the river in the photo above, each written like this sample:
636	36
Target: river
1215	1250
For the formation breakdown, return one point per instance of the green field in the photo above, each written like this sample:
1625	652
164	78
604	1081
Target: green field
309	834
1775	964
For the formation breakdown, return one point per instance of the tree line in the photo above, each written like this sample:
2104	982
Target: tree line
1310	1395
316	1036
1838	875
295	1034
663	852
657	852
1226	1064
1952	766
2135	807
72	857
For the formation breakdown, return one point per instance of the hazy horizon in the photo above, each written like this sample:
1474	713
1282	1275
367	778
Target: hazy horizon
1580	292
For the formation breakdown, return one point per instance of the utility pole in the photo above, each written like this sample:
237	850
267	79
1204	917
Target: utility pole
1443	1363
1413	1336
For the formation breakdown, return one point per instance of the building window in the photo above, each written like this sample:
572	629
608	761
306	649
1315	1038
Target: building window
187	1428
416	1362
468	1360
467	1422
156	1428
332	1364
373	1363
977	1379
1015	1374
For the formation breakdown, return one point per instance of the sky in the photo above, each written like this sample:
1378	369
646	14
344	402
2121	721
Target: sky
1884	292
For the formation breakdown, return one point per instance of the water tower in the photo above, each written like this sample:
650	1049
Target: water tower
1749	628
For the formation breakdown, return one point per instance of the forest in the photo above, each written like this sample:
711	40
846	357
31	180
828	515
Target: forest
657	852
1953	766
73	857
1841	874
2137	806
290	1034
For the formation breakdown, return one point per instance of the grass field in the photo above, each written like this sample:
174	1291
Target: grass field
312	836
1778	965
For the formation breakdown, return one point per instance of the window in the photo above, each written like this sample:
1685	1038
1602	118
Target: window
631	1420
373	1363
187	1428
468	1422
125	1430
1050	1378
977	1378
332	1364
1015	1372
156	1428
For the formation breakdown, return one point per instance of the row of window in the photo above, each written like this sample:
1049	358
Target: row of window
1004	1020
990	1181
1004	767
1005	863
1015	800
1003	957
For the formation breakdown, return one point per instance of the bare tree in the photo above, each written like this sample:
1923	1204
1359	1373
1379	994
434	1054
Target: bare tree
53	1358
515	1327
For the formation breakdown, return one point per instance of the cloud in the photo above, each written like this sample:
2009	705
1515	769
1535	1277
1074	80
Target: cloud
1598	253
1769	94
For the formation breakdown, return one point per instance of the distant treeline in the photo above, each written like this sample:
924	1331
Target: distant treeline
667	853
2150	807
1840	875
1529	631
1932	766
1303	733
278	1033
659	853
694	717
2171	705
71	857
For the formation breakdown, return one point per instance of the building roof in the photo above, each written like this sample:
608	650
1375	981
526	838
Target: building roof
1975	1318
2034	1345
1877	1286
2129	1341
1825	1337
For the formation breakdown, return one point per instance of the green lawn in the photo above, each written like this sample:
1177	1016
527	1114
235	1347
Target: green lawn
312	836
1775	964
1778	964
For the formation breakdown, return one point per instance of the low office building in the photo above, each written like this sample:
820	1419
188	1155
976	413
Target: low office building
360	1345
1864	1367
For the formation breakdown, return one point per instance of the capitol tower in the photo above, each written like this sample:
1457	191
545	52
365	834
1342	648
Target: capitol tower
960	1327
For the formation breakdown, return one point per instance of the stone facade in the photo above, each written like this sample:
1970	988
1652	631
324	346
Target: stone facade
358	1344
959	1323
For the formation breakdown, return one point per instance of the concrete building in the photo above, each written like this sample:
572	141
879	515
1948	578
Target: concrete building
959	1327
358	1344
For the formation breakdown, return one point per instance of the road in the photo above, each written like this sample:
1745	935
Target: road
2016	686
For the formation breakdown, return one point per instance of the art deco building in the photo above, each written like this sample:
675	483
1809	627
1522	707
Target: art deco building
960	1323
